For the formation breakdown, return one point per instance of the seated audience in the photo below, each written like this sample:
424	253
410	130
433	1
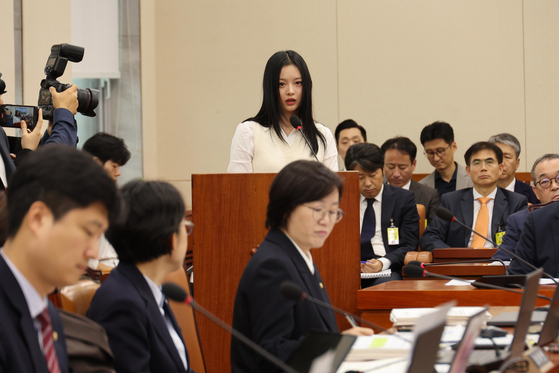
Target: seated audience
151	242
511	160
348	133
59	203
439	148
302	211
111	153
544	171
399	165
485	207
389	218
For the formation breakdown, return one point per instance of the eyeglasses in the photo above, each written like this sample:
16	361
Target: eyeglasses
439	152
489	162
334	216
189	226
546	183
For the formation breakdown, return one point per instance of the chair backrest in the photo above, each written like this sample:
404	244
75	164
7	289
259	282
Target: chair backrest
186	318
77	298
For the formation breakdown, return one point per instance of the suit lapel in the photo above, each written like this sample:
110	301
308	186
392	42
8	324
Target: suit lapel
499	208
467	209
312	282
388	203
152	310
555	229
15	295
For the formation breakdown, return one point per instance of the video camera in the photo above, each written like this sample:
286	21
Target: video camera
60	54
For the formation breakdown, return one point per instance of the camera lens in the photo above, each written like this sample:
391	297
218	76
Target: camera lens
88	99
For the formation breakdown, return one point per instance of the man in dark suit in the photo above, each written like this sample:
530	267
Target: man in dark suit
544	171
511	160
399	165
59	203
539	242
389	218
151	242
485	207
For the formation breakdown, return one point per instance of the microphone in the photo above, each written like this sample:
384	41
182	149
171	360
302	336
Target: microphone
415	269
467	261
293	291
176	293
446	215
296	123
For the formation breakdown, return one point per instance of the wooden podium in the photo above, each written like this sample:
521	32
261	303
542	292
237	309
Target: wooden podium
229	211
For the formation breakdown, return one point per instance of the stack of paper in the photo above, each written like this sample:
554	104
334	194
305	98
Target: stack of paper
379	346
456	315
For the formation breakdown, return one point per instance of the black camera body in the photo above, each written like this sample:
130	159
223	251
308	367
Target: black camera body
60	54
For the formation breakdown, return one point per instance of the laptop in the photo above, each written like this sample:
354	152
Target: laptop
516	348
550	327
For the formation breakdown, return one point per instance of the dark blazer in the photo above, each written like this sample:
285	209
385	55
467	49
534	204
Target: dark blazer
398	204
441	234
5	153
515	223
539	242
265	316
19	344
527	191
426	196
124	305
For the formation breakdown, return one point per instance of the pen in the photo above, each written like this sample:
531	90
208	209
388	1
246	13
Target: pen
351	321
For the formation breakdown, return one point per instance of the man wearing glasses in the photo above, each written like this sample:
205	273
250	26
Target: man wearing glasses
389	218
537	230
485	207
439	148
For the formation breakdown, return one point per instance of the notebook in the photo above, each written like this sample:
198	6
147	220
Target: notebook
385	273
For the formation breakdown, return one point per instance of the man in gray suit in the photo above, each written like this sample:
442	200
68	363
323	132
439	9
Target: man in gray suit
399	165
439	148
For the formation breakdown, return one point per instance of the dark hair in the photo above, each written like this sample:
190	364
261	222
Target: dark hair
402	144
107	148
297	183
437	130
63	178
545	157
153	211
271	113
483	145
347	124
367	156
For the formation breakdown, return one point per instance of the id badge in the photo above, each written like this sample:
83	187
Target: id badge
393	236
499	238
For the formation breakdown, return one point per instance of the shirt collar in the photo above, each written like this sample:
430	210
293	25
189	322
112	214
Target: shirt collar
378	198
491	195
35	302
156	291
307	258
510	187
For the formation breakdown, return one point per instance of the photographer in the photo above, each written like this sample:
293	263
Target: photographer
61	131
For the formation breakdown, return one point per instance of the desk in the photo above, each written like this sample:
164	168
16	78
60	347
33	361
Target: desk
376	302
469	271
458	254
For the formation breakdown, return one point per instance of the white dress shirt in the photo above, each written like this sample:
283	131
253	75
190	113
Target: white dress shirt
510	187
307	258
35	302
158	295
377	241
477	207
407	186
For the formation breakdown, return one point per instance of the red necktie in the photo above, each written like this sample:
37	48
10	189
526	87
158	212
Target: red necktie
48	341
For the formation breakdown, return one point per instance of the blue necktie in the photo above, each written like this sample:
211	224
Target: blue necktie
368	230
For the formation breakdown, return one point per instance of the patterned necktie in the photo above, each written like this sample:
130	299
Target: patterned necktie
48	341
482	223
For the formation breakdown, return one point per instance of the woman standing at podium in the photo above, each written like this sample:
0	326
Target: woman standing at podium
302	210
268	141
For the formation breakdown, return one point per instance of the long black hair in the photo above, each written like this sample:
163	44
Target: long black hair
271	113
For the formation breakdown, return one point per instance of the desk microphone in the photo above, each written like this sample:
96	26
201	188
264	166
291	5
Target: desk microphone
415	269
296	123
293	291
176	293
446	215
469	261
